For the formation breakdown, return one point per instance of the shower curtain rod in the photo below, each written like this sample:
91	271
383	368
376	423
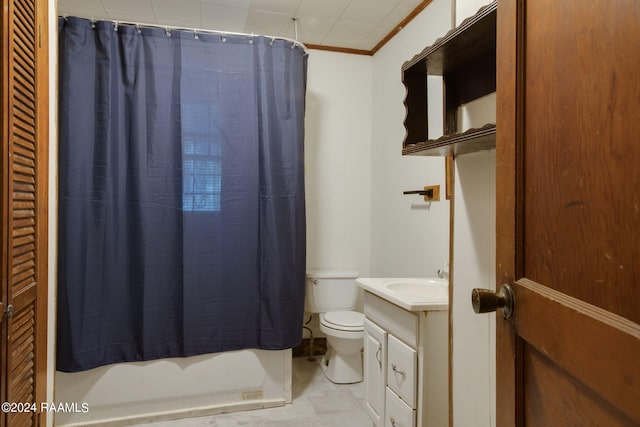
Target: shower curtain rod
117	22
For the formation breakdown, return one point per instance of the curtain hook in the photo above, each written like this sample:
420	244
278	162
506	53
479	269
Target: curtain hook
223	38
273	40
195	34
167	32
115	25
138	29
251	40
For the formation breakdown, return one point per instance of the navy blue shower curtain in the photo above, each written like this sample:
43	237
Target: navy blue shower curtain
181	193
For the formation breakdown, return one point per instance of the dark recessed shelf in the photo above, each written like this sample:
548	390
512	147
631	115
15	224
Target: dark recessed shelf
466	59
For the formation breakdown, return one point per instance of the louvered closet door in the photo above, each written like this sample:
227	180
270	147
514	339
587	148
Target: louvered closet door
24	209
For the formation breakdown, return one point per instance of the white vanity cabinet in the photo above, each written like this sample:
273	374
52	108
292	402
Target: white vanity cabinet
405	364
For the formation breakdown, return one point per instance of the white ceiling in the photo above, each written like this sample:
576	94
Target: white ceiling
354	24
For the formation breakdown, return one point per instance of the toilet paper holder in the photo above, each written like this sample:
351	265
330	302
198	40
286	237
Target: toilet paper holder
431	193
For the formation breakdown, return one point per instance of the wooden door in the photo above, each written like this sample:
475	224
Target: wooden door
568	212
23	203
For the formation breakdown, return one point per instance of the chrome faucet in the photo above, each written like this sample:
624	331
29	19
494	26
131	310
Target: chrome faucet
443	273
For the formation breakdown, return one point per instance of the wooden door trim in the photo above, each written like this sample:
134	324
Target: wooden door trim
509	73
42	204
4	189
450	167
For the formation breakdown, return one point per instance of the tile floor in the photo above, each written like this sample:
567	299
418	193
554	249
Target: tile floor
317	402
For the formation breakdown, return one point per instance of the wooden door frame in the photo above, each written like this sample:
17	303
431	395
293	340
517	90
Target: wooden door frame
509	100
42	204
4	178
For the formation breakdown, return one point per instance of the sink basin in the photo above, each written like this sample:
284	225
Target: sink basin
412	294
422	288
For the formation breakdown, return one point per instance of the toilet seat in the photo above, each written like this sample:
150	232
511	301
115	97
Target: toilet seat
351	321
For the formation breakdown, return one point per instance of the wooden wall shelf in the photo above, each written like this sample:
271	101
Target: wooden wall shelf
465	57
473	140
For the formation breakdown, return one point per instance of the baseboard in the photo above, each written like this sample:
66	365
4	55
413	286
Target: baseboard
177	415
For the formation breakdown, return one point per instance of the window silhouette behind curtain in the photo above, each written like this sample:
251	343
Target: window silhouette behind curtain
201	162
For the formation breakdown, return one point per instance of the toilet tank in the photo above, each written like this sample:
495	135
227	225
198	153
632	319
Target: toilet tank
330	290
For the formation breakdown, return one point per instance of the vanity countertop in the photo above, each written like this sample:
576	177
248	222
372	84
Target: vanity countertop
413	294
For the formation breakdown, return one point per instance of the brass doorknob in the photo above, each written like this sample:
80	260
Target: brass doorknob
486	300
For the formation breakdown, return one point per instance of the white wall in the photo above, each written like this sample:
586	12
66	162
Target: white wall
409	237
473	267
338	165
474	250
466	8
338	161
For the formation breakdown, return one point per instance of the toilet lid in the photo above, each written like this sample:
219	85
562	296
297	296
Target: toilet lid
349	319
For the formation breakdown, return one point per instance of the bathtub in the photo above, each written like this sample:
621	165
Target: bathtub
127	393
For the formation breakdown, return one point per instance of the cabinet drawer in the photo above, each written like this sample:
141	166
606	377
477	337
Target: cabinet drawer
397	413
402	370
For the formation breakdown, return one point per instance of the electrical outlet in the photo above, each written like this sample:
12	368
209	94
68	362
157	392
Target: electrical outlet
433	193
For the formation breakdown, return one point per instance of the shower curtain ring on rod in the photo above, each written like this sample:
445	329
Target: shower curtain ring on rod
115	25
167	32
195	34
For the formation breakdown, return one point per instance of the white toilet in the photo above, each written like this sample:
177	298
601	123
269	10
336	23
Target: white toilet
333	294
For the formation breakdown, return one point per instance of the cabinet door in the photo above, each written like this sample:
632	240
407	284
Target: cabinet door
375	355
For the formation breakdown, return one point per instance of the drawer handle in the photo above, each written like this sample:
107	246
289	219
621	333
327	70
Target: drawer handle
378	356
393	422
396	370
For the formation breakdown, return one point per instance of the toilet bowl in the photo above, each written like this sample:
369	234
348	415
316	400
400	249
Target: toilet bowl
332	294
342	364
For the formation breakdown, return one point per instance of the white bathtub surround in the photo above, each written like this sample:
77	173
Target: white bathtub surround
129	393
316	402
